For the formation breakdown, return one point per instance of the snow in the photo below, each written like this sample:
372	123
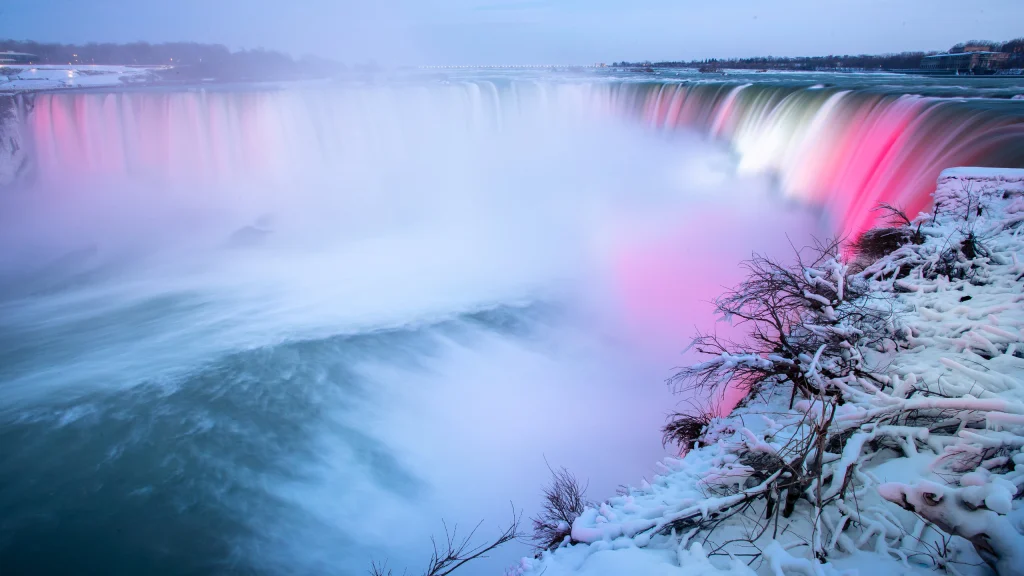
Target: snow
932	441
24	77
982	175
627	559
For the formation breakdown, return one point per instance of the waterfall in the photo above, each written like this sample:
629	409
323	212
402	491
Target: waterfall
270	325
218	135
842	150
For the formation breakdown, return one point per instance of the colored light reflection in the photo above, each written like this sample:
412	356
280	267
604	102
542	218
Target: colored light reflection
844	151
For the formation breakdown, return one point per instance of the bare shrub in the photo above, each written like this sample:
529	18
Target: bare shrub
879	242
454	552
897	217
806	321
884	240
957	261
685	428
564	500
971	247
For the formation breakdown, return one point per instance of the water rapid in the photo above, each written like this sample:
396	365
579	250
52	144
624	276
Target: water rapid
289	330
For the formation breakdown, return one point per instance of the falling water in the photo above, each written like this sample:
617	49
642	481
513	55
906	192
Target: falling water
289	330
844	150
841	149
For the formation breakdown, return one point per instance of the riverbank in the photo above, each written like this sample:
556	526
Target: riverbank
919	463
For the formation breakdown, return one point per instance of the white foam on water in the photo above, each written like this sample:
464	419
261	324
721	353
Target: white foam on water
412	215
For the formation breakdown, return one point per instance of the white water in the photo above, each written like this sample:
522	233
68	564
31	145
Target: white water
414	217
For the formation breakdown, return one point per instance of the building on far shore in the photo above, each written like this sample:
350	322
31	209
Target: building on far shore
17	58
973	60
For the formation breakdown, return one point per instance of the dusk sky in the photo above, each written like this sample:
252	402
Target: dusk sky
524	31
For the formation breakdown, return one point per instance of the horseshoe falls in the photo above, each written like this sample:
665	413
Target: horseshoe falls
287	330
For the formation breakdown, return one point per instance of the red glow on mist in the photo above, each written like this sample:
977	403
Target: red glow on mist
664	285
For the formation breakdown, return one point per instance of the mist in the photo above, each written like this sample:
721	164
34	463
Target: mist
353	314
314	293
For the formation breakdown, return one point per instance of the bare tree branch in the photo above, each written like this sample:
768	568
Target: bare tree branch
564	500
454	552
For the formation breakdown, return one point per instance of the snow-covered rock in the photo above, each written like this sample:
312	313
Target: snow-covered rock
923	468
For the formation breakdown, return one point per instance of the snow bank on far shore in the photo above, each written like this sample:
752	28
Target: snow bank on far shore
25	77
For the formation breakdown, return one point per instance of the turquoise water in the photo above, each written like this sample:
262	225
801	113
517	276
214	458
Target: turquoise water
288	331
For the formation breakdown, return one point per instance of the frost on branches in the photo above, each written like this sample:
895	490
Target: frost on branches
883	420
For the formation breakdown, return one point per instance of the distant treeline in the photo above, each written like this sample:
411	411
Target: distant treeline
901	61
190	60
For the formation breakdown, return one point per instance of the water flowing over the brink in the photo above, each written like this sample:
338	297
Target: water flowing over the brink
249	330
843	150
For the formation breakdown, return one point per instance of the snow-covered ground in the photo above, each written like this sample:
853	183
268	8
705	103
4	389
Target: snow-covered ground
19	77
922	469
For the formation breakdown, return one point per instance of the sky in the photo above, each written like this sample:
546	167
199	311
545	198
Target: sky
523	31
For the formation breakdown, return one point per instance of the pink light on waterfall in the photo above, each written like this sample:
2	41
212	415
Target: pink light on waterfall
841	150
844	151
